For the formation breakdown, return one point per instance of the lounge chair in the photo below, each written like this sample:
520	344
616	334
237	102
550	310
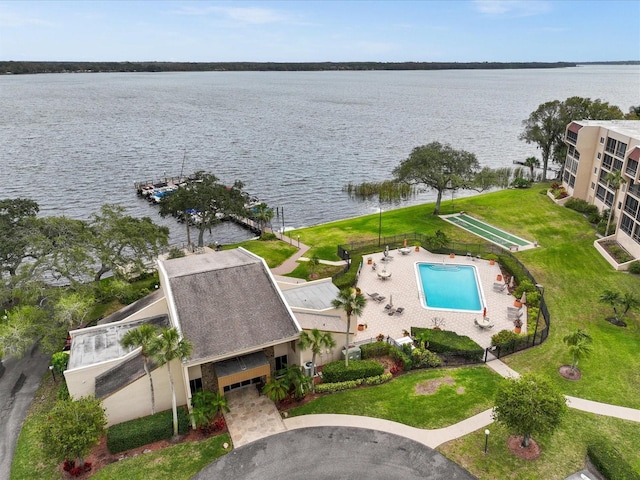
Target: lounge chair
388	307
499	287
392	311
397	311
374	295
514	313
381	298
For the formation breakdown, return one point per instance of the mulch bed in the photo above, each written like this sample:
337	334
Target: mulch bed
565	371
531	452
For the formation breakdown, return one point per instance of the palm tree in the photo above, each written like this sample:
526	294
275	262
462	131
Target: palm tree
316	341
613	299
579	343
263	214
276	389
168	347
532	163
352	303
629	301
143	337
614	180
298	383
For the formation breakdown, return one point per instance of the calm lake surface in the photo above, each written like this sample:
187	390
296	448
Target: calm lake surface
73	142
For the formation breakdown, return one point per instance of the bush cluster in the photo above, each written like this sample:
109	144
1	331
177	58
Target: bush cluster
634	268
610	462
337	371
581	206
401	358
339	386
375	349
145	430
423	358
503	337
444	341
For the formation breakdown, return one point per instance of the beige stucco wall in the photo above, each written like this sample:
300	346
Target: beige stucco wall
82	381
134	400
156	308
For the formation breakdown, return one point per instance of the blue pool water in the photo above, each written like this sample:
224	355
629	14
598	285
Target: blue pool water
453	287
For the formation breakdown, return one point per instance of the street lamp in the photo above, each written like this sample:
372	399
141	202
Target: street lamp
486	440
298	241
379	221
541	289
53	372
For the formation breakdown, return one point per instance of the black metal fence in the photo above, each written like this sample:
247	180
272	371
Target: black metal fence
508	262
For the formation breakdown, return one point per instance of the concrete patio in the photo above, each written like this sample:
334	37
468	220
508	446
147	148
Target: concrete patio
403	287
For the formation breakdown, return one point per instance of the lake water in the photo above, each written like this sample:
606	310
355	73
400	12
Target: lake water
73	142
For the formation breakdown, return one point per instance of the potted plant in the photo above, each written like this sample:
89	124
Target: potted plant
518	324
406	333
492	258
517	303
362	326
369	261
417	246
380	337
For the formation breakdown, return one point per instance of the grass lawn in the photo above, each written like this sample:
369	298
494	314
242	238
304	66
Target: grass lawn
179	462
563	452
465	392
274	252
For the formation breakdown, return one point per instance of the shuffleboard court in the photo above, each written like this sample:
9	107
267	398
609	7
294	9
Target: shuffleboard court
488	232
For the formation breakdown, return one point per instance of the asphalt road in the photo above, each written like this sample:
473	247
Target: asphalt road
345	453
19	380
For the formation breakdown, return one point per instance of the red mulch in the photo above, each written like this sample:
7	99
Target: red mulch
531	452
565	371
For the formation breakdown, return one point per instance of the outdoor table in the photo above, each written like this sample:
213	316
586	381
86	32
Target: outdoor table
404	250
484	322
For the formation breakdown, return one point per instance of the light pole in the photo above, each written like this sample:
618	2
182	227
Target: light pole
53	372
541	289
486	440
379	221
298	241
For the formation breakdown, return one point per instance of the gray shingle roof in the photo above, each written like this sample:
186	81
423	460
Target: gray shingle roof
227	302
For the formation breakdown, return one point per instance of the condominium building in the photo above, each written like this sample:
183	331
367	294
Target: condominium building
595	149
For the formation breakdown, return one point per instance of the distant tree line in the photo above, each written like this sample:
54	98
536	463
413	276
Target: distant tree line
13	67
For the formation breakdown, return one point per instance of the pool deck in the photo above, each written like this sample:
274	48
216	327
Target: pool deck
403	288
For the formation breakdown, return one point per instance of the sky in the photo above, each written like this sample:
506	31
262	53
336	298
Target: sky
319	31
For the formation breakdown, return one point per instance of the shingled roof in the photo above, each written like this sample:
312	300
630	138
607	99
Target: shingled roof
226	303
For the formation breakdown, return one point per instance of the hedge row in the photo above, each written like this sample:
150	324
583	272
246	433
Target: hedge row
610	462
145	430
334	372
374	349
444	341
338	386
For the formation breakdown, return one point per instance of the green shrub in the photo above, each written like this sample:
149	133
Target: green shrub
401	358
337	371
610	462
581	206
524	286
444	341
533	299
268	236
509	264
145	430
594	218
375	349
423	358
503	337
175	252
634	268
348	280
339	386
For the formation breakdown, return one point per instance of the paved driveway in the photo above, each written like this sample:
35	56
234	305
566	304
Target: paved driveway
344	453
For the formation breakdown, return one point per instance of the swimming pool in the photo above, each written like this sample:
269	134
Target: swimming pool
449	287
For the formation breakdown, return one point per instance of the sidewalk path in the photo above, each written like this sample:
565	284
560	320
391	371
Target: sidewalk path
291	263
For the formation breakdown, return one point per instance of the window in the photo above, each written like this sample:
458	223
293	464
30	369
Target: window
593	185
572	137
595	170
571	150
572	181
608	161
601	139
631	206
632	167
600	192
636	233
626	225
617	164
196	385
621	149
281	362
611	146
599	155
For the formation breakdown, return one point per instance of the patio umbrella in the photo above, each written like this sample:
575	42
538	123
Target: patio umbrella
523	300
405	242
391	300
512	282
